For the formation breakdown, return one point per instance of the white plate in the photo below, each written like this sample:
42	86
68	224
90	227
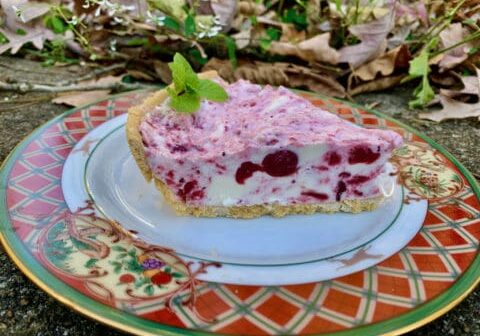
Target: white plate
263	251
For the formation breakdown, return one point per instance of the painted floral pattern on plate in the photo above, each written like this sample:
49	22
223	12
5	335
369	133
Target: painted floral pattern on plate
101	260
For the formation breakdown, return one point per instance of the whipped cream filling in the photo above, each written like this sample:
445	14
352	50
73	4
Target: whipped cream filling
264	145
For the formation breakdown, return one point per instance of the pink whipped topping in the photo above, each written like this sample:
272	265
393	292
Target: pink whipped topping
253	117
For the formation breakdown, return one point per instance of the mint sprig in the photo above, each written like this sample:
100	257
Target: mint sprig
188	89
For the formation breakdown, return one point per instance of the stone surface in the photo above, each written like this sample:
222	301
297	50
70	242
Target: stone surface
26	310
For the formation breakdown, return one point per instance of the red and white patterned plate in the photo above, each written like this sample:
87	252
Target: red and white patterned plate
96	266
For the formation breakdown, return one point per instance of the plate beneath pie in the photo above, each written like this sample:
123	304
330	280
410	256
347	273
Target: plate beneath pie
263	251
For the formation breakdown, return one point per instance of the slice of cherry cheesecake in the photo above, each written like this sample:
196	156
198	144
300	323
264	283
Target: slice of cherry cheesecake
264	151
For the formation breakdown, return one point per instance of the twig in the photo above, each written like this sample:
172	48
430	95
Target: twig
28	87
94	73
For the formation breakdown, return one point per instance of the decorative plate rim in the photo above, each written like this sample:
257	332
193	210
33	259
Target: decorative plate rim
39	275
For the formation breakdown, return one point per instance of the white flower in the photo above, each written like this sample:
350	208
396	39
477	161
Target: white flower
156	19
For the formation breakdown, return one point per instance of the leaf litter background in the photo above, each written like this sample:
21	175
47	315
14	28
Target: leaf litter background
338	48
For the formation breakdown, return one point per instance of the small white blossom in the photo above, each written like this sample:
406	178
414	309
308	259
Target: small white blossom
74	20
156	19
113	45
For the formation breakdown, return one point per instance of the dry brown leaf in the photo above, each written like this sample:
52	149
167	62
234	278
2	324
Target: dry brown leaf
376	85
138	74
163	71
373	41
452	109
450	36
445	79
277	74
36	35
243	37
314	49
290	34
471	86
225	10
385	65
28	10
79	98
250	7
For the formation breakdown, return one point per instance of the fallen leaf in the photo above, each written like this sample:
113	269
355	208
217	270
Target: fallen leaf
163	71
373	41
278	73
450	36
140	7
400	34
225	10
25	11
471	86
384	65
314	49
36	35
243	37
290	34
249	8
446	79
376	85
81	98
452	109
137	74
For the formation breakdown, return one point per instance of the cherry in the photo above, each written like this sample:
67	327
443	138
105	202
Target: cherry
161	278
246	170
358	179
316	195
280	163
333	158
187	189
362	154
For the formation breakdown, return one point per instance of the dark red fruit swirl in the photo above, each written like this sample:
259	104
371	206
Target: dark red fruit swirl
362	154
246	170
280	163
319	196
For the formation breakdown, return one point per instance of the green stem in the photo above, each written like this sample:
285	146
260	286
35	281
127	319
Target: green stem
469	38
443	22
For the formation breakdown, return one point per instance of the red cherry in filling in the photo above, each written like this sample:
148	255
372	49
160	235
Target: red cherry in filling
362	154
333	158
280	163
358	179
246	170
161	278
319	196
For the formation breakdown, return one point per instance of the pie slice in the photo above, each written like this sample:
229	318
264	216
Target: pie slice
264	151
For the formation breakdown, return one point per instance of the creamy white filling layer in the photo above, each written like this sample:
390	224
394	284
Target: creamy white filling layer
214	182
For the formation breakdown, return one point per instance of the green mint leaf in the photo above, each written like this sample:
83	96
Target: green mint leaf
187	102
192	82
178	75
190	27
212	91
171	24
